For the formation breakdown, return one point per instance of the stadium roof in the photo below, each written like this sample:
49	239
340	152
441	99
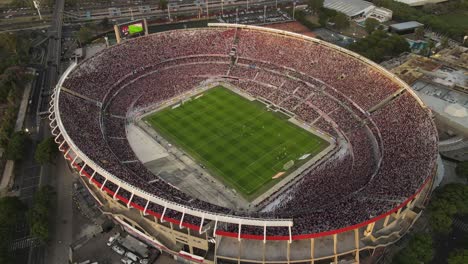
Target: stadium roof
406	25
348	7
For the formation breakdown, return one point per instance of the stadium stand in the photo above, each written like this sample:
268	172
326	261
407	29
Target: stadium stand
387	155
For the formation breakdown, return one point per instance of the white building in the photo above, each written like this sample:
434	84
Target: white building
420	2
359	9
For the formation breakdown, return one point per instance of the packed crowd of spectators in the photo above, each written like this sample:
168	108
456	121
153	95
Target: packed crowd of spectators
321	86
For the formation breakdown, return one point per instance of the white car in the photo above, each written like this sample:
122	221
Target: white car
132	256
127	261
112	239
118	249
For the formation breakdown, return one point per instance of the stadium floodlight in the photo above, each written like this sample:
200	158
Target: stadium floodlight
37	5
222	7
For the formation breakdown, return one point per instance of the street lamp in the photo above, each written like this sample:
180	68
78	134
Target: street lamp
37	5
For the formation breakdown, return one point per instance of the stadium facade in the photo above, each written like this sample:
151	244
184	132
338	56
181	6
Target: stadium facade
376	181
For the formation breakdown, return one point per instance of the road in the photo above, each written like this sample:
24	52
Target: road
53	54
122	12
61	234
28	173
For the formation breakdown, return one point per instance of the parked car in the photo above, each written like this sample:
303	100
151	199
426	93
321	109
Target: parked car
118	250
112	239
132	256
127	261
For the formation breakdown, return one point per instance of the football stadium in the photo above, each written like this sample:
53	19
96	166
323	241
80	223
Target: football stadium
245	144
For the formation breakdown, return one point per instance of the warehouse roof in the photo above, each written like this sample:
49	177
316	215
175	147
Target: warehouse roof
348	7
406	25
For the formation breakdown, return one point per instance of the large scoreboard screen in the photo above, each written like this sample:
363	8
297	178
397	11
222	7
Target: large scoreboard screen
131	29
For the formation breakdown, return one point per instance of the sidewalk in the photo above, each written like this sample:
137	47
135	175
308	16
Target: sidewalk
7	177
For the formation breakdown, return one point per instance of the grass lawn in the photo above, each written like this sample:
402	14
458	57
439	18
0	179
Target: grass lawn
239	141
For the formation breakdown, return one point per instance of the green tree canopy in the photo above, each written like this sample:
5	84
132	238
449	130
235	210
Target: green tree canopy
446	202
315	5
341	21
12	212
419	33
39	213
371	24
462	169
404	12
46	151
14	49
380	45
16	146
84	34
419	250
458	257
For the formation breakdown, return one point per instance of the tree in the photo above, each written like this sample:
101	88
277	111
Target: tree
14	49
419	33
162	4
84	35
39	213
12	212
7	125
315	5
371	24
16	146
46	151
341	21
458	257
429	8
419	250
446	202
462	169
380	45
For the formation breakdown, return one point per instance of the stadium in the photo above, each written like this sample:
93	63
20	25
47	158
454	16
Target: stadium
244	144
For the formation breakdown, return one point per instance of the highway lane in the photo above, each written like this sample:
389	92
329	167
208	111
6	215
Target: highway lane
28	177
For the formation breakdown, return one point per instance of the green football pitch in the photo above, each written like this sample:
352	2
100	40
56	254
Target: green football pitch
239	141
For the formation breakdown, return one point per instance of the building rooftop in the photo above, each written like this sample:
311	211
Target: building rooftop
457	56
440	85
406	25
420	2
348	7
